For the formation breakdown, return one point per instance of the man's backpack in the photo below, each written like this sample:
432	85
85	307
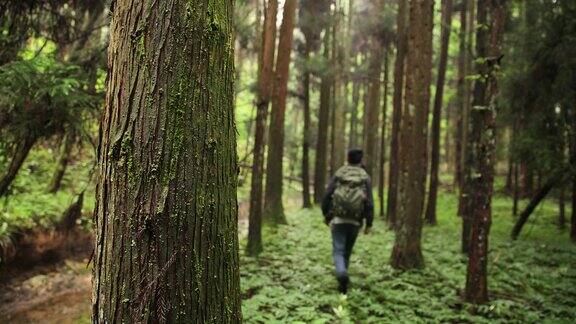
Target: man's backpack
350	196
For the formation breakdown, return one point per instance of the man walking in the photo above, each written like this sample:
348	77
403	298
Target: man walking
347	203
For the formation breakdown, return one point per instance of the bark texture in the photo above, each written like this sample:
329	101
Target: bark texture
166	245
480	178
273	207
382	173
437	112
399	67
407	253
265	79
339	113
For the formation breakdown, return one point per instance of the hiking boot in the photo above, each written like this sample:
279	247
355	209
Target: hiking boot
343	285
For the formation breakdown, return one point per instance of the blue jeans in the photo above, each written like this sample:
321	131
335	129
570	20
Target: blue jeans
343	239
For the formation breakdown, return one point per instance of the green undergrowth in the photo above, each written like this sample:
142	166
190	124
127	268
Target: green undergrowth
532	280
30	207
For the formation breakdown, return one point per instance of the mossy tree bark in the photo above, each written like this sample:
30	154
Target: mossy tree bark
460	93
166	245
480	178
265	79
273	207
399	69
407	253
446	25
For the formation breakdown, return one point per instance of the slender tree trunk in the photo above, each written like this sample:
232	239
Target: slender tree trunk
373	105
562	209
62	163
482	144
353	136
265	80
464	203
339	113
437	113
555	180
20	154
407	253
460	94
382	173
323	122
273	208
398	99
166	245
306	200
516	190
448	149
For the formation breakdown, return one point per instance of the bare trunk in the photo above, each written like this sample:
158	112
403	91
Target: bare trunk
20	154
339	113
399	67
482	145
273	207
407	253
460	95
166	243
373	107
437	113
382	173
62	163
265	80
306	201
323	122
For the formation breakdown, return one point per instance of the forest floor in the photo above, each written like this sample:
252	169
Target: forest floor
532	280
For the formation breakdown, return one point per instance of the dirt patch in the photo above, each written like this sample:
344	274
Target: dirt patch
60	295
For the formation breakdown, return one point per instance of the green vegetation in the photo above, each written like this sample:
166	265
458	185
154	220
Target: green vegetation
531	280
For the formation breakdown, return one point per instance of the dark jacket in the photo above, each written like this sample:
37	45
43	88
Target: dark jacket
368	214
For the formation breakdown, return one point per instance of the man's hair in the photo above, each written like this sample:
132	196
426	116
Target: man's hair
355	156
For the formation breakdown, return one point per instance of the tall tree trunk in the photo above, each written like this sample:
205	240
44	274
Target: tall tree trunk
339	113
353	135
460	94
62	163
21	152
373	105
382	173
273	208
321	162
398	99
516	190
437	112
482	145
166	245
265	80
448	148
306	201
465	190
407	253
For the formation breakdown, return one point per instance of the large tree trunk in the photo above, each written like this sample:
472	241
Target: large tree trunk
21	152
482	145
265	79
62	163
398	99
273	207
382	173
407	253
166	245
437	112
321	162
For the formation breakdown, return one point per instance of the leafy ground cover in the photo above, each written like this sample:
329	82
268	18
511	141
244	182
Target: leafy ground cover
532	280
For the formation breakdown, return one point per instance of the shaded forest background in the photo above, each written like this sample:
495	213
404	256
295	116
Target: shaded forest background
465	109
